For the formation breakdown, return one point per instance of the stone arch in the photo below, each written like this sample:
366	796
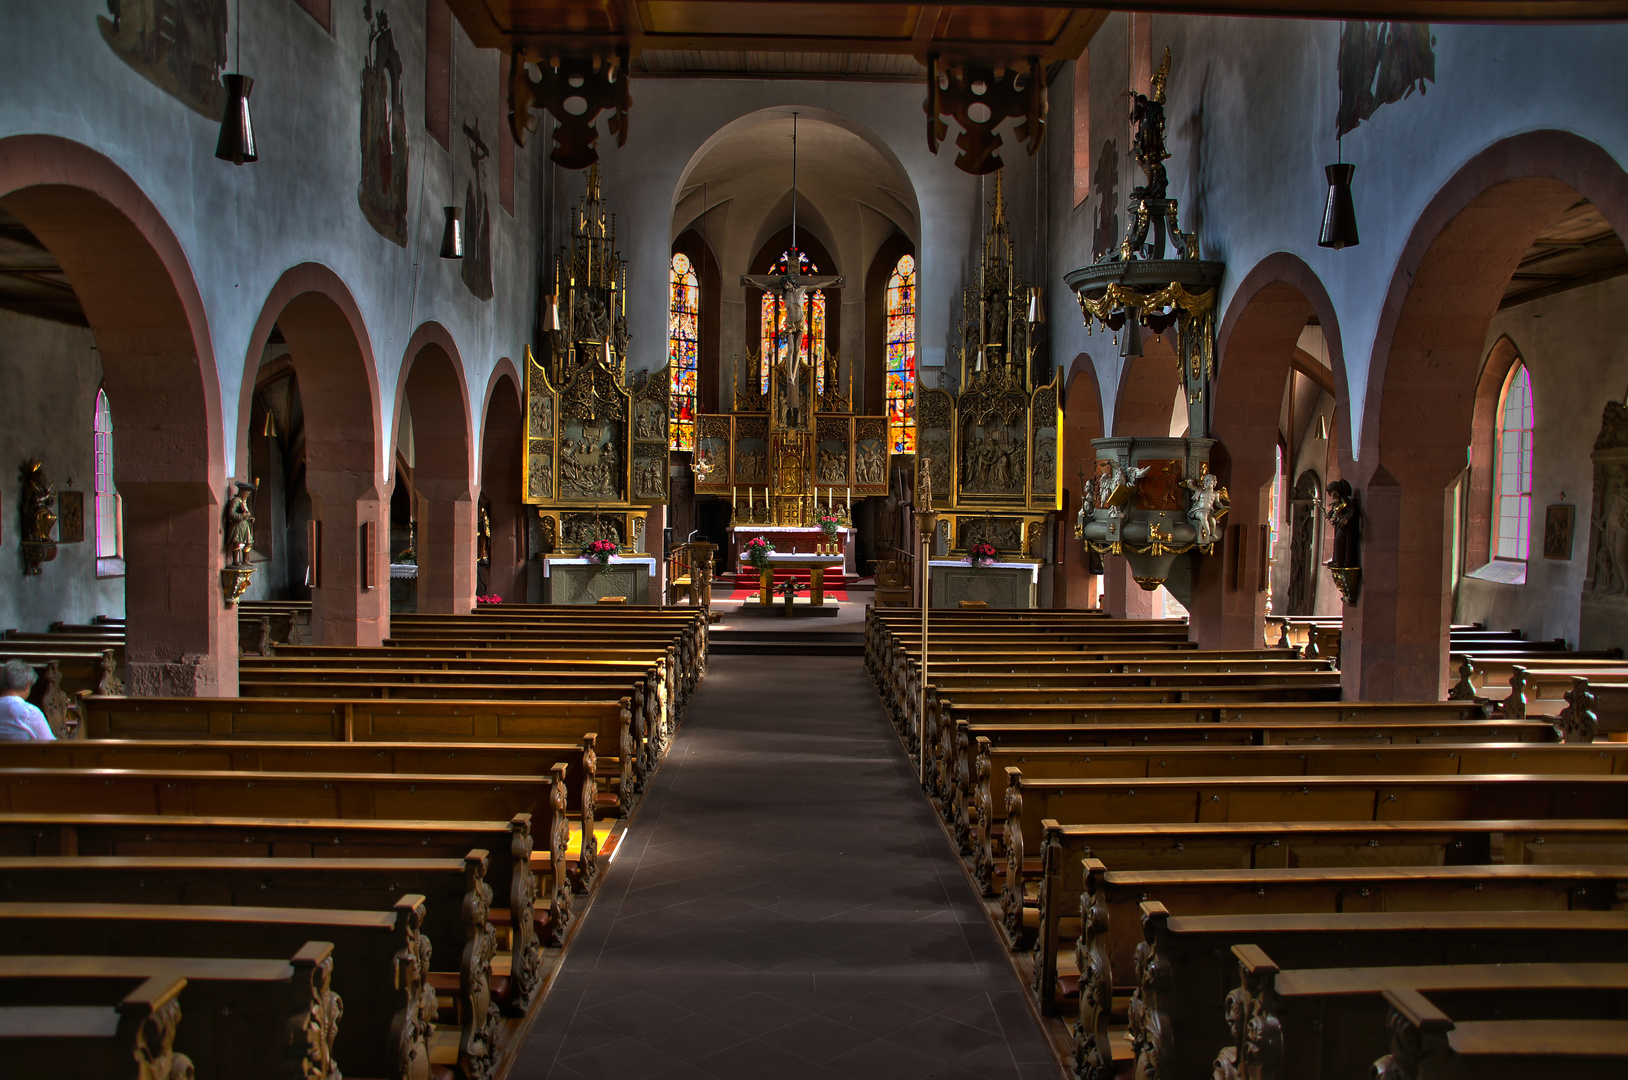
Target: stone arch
502	486
143	305
1255	353
1145	401
1421	392
1074	586
432	385
333	360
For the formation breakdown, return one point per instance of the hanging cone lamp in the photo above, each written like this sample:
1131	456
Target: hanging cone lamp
1037	306
1322	427
1339	213
452	234
236	142
551	312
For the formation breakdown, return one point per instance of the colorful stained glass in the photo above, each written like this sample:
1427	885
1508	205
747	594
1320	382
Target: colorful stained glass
901	356
773	325
683	353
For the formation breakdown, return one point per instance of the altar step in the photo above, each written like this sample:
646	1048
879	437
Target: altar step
786	643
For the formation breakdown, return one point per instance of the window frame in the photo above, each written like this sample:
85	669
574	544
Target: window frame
902	431
1501	431
106	504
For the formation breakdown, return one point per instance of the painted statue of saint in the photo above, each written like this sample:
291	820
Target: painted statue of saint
239	525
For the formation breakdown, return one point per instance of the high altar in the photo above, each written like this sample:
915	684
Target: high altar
788	456
595	451
993	446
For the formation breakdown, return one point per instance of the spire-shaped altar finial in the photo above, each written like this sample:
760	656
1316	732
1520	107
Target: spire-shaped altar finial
593	183
1000	200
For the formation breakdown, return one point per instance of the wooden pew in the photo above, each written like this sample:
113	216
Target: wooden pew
380	970
1177	1012
392	721
245	1019
1428	1045
1040	767
1330	1022
132	1036
456	903
578	763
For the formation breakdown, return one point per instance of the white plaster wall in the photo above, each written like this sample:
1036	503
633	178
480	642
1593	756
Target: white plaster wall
1572	345
241	228
51	373
1251	107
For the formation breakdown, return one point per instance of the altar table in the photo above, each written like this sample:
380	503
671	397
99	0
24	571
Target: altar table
816	565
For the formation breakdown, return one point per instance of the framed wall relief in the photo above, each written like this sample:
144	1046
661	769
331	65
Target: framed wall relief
1557	531
70	517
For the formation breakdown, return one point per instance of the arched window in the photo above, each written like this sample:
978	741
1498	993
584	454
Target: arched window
1513	539
683	353
901	356
107	499
812	346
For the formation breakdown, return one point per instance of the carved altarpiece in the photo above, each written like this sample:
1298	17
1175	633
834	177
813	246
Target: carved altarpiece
996	445
595	451
1604	614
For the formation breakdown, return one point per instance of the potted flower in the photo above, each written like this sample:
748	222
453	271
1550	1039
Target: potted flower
830	525
981	554
492	599
788	589
600	551
755	553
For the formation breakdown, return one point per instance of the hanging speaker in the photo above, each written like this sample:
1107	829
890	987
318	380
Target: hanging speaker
1339	213
1037	307
452	234
1130	340
236	142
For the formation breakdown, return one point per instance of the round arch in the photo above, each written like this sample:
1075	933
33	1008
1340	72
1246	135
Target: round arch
1074	585
1420	397
432	386
333	360
142	303
502	486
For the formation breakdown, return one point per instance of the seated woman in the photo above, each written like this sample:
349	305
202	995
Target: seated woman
20	721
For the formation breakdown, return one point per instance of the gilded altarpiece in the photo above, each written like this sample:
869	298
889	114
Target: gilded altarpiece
993	448
595	451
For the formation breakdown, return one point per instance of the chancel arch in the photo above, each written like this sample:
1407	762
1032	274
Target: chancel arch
314	313
141	302
1449	283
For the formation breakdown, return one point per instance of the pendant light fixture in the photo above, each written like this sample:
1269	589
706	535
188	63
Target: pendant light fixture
1037	306
1339	212
452	234
1322	427
551	312
236	142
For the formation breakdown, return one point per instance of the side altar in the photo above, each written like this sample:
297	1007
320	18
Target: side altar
990	448
595	456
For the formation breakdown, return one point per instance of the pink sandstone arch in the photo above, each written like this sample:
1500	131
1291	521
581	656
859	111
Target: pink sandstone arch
432	385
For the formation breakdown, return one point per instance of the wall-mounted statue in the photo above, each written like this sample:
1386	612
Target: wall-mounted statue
239	525
1208	503
1344	513
38	506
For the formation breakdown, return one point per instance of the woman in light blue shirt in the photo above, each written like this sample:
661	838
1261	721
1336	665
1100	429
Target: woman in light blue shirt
20	721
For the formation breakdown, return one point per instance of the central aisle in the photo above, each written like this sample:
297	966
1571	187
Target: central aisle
786	906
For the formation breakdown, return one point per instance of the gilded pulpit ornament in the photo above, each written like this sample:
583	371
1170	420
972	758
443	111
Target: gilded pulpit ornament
595	448
1171	505
38	506
239	519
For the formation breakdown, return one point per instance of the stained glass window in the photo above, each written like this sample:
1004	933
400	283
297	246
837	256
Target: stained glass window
773	324
107	499
901	356
1515	467
683	353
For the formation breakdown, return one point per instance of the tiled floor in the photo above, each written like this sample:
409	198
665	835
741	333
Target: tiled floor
785	906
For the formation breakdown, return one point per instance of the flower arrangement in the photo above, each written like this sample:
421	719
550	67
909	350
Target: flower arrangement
492	599
829	523
600	551
756	551
981	554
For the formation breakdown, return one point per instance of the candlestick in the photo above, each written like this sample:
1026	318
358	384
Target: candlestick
848	497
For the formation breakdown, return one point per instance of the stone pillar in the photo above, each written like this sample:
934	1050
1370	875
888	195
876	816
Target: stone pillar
446	547
1228	605
1127	599
344	609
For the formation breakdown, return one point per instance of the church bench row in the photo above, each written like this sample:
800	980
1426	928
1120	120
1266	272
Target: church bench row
578	762
61	675
456	922
1178	1012
1333	1024
1427	1045
237	1019
342	720
952	777
990	812
113	1034
380	970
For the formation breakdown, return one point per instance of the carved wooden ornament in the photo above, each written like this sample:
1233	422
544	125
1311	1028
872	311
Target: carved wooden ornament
574	91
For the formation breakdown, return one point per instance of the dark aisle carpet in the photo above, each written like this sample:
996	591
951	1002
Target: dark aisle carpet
786	906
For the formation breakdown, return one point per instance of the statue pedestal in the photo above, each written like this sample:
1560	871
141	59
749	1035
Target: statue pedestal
998	584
